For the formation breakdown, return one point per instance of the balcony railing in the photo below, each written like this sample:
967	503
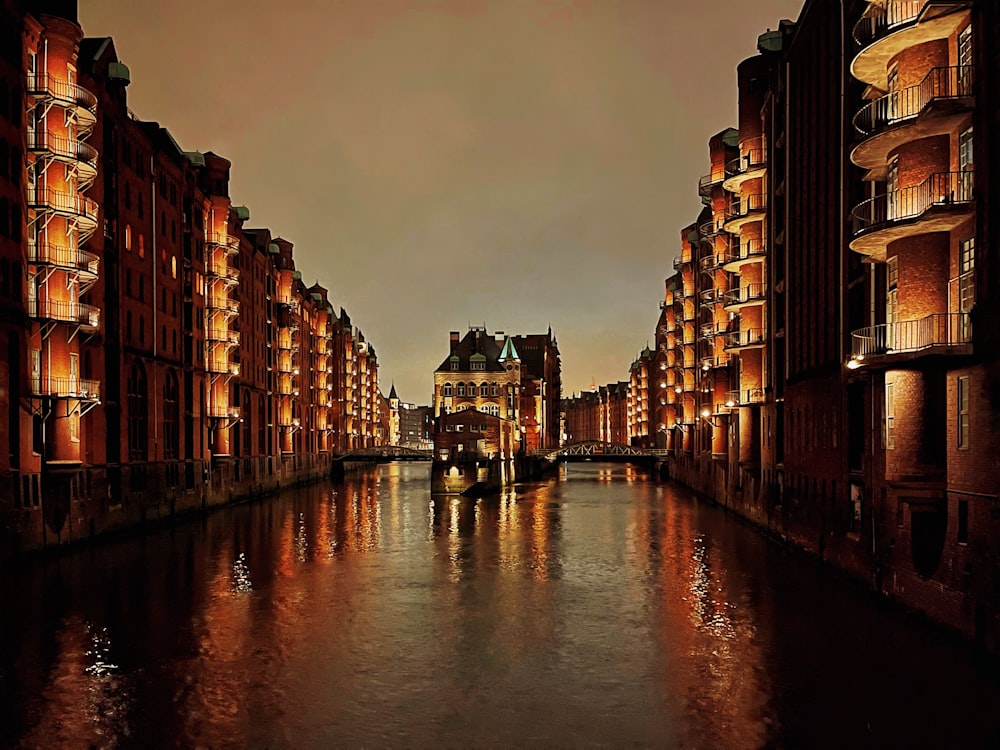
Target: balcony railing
745	397
715	362
219	411
47	254
753	155
881	20
939	189
746	205
903	105
74	204
710	297
746	337
64	91
223	335
707	182
223	271
680	263
221	367
80	388
60	145
708	229
754	292
77	313
939	329
225	241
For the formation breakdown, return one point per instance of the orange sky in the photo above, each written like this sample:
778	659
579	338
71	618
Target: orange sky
518	163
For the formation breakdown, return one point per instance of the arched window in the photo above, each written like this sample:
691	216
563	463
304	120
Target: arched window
446	391
246	416
460	389
138	413
261	427
492	409
494	389
484	389
171	417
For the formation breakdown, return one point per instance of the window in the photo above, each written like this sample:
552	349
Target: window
142	247
889	439
965	166
460	389
966	285
891	301
963	412
454	364
484	389
128	237
446	391
171	417
965	61
963	522
494	389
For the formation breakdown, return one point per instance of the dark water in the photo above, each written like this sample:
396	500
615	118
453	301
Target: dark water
599	610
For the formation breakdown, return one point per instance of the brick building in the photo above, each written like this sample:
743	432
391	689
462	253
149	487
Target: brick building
160	355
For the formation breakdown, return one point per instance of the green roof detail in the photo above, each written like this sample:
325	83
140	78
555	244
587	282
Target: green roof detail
508	351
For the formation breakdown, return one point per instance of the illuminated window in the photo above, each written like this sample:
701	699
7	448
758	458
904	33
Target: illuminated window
460	389
889	439
963	412
128	237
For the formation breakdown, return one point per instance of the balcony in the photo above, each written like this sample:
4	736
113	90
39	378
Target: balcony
940	333
229	275
222	367
938	204
748	338
72	151
749	165
708	183
745	397
750	294
223	336
76	388
87	317
716	362
63	258
710	297
69	205
934	106
744	210
679	263
227	243
888	28
752	251
66	94
708	229
710	330
220	411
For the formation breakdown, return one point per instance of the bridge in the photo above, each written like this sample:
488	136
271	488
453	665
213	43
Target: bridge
595	450
385	454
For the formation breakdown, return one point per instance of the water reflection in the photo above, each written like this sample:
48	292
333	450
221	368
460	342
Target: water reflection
600	609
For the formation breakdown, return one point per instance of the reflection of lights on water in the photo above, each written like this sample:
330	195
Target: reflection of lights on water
301	541
99	652
241	575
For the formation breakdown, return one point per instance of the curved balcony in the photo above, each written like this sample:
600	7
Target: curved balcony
82	102
222	367
67	150
888	28
745	397
222	336
74	388
227	274
680	262
64	259
226	242
750	164
710	330
708	229
750	294
710	297
68	205
715	362
752	251
744	210
934	106
219	411
748	338
938	204
940	333
709	182
87	317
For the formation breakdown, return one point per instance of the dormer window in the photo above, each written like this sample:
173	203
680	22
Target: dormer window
454	363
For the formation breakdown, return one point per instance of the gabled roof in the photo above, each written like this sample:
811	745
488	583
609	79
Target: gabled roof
476	342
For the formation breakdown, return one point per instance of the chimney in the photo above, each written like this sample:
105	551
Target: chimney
454	339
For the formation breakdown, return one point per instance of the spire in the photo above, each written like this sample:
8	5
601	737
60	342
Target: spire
392	392
508	351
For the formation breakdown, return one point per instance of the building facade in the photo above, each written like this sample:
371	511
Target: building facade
161	355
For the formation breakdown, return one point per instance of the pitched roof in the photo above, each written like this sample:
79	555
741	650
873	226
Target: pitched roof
476	341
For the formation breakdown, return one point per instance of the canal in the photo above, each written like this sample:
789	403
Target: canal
599	609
